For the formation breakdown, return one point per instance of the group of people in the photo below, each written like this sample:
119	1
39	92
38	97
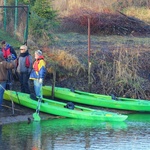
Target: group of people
25	67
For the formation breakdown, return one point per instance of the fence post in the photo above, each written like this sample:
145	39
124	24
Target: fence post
16	17
26	30
5	13
89	61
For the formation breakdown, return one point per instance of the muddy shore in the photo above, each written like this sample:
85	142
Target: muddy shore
24	114
19	114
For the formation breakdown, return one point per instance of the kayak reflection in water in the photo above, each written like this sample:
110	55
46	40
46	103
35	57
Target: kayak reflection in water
36	142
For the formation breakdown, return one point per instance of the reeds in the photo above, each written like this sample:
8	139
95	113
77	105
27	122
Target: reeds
120	65
120	72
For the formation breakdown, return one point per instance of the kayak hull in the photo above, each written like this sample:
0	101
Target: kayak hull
98	99
59	108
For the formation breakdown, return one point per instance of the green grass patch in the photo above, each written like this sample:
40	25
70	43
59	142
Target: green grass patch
11	40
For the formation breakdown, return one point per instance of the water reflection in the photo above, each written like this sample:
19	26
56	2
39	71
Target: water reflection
36	132
73	134
141	117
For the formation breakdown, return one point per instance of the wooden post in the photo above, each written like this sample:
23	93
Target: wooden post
89	62
54	81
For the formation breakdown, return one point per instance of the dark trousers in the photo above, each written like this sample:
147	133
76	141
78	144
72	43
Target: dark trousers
24	79
2	89
9	80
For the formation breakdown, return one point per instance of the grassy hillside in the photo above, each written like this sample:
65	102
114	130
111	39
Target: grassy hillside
120	64
5	36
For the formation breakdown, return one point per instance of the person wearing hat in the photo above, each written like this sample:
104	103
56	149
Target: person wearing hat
4	67
24	67
38	73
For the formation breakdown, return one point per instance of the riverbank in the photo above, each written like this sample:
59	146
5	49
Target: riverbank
13	113
114	60
19	114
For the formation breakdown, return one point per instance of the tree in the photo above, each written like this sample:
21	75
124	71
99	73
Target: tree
44	9
43	21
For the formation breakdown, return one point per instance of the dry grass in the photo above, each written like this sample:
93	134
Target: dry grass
103	23
65	7
135	8
140	13
120	65
119	72
63	62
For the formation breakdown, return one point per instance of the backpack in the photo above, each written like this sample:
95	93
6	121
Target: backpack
27	62
69	105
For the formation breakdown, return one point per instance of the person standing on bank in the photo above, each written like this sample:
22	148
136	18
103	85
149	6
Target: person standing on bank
8	51
38	73
4	66
9	55
24	68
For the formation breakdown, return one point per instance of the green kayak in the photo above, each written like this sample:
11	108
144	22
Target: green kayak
98	99
62	109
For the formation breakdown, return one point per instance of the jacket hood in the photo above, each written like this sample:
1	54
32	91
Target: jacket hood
7	46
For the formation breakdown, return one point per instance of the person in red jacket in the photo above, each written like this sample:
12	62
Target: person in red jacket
8	51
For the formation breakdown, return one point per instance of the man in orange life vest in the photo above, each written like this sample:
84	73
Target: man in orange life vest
24	68
8	51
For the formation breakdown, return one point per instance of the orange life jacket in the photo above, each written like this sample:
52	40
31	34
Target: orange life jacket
35	65
6	53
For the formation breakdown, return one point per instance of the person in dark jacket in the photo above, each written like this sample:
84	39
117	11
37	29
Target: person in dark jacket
24	68
8	51
38	73
4	67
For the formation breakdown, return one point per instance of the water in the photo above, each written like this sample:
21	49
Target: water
71	134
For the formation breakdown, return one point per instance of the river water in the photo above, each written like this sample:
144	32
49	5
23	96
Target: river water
73	134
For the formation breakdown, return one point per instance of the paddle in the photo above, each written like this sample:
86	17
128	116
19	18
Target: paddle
10	81
12	103
10	99
36	116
